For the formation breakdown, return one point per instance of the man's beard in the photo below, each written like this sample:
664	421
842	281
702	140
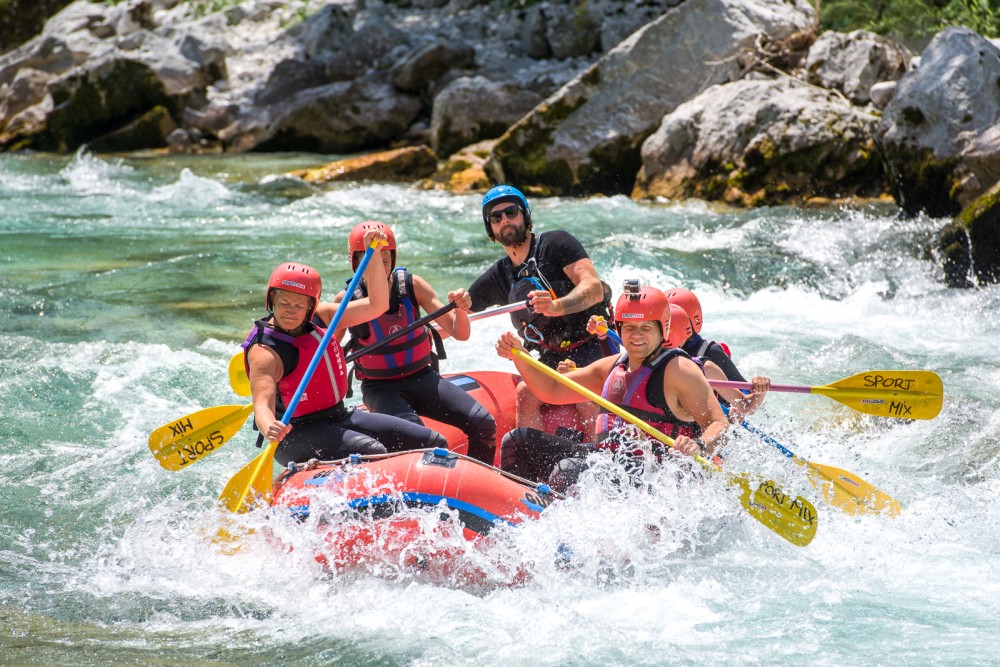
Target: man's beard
515	238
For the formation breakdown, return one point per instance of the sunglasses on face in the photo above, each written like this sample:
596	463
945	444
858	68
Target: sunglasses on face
511	211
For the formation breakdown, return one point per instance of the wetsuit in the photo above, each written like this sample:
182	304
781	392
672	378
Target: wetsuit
541	456
323	428
401	379
561	337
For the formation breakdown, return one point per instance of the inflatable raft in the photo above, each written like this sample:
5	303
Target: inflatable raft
376	509
410	510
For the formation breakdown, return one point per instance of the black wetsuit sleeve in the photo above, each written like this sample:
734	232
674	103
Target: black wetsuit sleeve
718	355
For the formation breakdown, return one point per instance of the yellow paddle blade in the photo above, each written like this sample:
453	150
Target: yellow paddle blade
897	394
849	492
795	519
238	379
192	438
252	484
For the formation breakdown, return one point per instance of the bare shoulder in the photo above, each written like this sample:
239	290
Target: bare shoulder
264	360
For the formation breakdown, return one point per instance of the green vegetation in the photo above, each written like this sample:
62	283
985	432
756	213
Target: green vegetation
912	22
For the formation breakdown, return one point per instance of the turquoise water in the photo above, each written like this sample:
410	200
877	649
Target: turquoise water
126	285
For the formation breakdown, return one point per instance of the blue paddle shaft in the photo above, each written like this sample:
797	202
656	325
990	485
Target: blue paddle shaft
314	363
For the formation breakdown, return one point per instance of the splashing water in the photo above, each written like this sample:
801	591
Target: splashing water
127	284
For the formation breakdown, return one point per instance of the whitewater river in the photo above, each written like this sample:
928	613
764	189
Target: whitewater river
126	285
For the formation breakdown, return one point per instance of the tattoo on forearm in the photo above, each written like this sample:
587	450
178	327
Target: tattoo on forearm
580	298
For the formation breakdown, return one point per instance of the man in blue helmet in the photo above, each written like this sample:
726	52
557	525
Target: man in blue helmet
555	274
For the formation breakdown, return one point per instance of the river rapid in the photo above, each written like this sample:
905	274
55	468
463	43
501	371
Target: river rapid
126	284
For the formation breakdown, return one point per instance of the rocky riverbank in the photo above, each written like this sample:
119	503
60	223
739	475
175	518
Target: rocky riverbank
738	101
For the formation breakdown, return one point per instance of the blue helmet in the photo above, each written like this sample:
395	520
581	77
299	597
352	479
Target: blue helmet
499	195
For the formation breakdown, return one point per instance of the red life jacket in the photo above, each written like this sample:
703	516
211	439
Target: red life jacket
409	354
640	392
328	384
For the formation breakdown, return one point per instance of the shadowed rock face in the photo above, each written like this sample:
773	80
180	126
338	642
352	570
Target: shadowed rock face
941	131
969	248
98	100
586	137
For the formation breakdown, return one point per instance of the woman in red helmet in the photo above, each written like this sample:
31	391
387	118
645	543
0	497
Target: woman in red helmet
276	354
402	379
662	386
695	345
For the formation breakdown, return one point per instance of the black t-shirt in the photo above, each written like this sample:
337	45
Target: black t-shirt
552	252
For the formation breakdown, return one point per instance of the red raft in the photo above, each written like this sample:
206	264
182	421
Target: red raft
369	508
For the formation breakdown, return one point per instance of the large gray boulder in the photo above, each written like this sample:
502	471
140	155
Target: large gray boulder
471	109
586	137
941	131
852	63
762	142
340	117
106	71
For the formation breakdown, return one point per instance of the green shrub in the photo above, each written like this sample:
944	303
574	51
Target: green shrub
912	22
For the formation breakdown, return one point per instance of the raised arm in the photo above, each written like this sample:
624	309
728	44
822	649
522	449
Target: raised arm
454	323
367	309
587	291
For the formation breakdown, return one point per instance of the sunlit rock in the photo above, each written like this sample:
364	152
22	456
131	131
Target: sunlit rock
852	63
400	165
762	142
941	131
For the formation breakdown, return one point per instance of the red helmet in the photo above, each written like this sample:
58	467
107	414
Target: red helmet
680	327
643	304
688	301
298	278
356	240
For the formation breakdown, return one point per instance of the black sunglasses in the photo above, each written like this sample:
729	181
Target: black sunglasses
496	215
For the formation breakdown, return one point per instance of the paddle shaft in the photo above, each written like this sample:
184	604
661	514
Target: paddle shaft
791	388
499	310
379	344
761	434
612	334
